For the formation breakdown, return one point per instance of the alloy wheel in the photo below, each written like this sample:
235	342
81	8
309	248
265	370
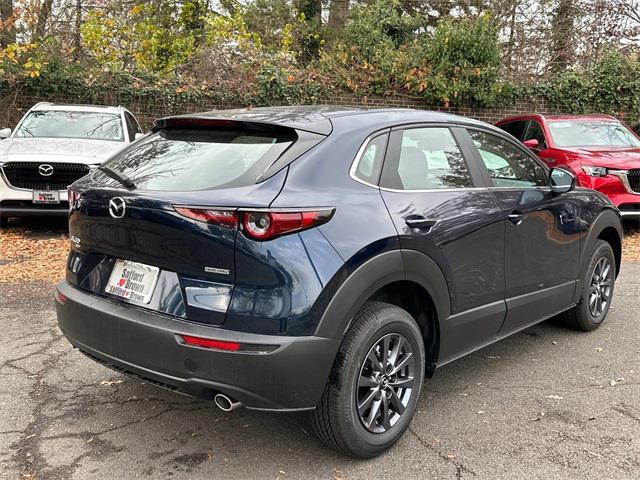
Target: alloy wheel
385	384
600	288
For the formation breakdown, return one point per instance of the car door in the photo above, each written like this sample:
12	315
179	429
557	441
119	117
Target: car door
536	132
542	234
442	209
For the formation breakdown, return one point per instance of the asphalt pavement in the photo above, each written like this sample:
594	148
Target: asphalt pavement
546	403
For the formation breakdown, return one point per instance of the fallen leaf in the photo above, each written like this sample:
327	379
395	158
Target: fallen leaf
111	382
555	397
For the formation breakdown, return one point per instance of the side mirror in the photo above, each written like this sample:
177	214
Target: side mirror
561	180
5	133
138	135
531	143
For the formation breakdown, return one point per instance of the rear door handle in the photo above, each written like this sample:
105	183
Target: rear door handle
516	217
419	222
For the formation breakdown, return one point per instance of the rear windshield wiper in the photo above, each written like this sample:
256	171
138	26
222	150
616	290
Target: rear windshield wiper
120	177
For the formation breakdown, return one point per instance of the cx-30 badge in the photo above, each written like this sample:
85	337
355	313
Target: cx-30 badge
45	170
117	207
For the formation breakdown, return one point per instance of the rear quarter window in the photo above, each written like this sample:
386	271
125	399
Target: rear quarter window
187	159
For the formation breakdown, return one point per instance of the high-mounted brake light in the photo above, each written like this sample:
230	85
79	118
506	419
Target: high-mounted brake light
259	224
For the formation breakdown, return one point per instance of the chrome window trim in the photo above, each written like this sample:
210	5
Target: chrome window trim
433	190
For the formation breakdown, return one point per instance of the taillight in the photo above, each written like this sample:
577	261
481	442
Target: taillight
222	218
73	198
266	225
259	224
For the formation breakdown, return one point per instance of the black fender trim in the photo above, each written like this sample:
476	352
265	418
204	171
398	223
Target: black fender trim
367	279
374	274
607	218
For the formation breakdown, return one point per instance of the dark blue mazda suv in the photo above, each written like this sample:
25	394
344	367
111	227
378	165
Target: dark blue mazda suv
326	259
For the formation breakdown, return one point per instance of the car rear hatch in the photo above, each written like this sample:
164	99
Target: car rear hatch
150	244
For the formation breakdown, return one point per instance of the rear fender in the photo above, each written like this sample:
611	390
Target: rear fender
608	218
371	276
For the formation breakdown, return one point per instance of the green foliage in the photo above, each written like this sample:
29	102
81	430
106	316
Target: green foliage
147	37
370	56
273	51
458	64
610	86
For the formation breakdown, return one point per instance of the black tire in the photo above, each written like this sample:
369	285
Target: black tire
584	316
376	328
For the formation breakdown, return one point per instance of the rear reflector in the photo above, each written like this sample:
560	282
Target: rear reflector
259	224
210	343
59	297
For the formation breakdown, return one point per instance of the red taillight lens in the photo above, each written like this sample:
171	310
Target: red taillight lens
73	198
223	218
259	224
210	343
266	225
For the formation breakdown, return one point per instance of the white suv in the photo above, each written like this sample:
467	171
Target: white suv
52	146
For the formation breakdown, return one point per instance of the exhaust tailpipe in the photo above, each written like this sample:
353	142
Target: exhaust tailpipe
225	403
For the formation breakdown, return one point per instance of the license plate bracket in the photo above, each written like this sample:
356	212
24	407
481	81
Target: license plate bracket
46	197
132	281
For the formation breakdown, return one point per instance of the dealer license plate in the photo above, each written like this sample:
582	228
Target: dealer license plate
46	196
133	281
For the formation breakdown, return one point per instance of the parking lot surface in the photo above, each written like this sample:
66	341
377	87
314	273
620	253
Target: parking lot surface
546	403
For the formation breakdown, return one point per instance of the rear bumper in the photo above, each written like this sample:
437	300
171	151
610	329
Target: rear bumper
144	344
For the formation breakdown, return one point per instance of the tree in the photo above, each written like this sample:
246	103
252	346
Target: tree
44	12
562	34
7	25
338	12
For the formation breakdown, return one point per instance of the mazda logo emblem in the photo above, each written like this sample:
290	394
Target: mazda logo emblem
117	207
45	170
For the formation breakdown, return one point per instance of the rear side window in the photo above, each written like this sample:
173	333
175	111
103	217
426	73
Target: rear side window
370	161
429	159
516	128
186	159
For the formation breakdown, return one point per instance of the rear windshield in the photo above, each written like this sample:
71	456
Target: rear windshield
70	124
184	159
592	134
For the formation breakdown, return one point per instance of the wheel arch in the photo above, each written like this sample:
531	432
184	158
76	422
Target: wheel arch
608	227
408	279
